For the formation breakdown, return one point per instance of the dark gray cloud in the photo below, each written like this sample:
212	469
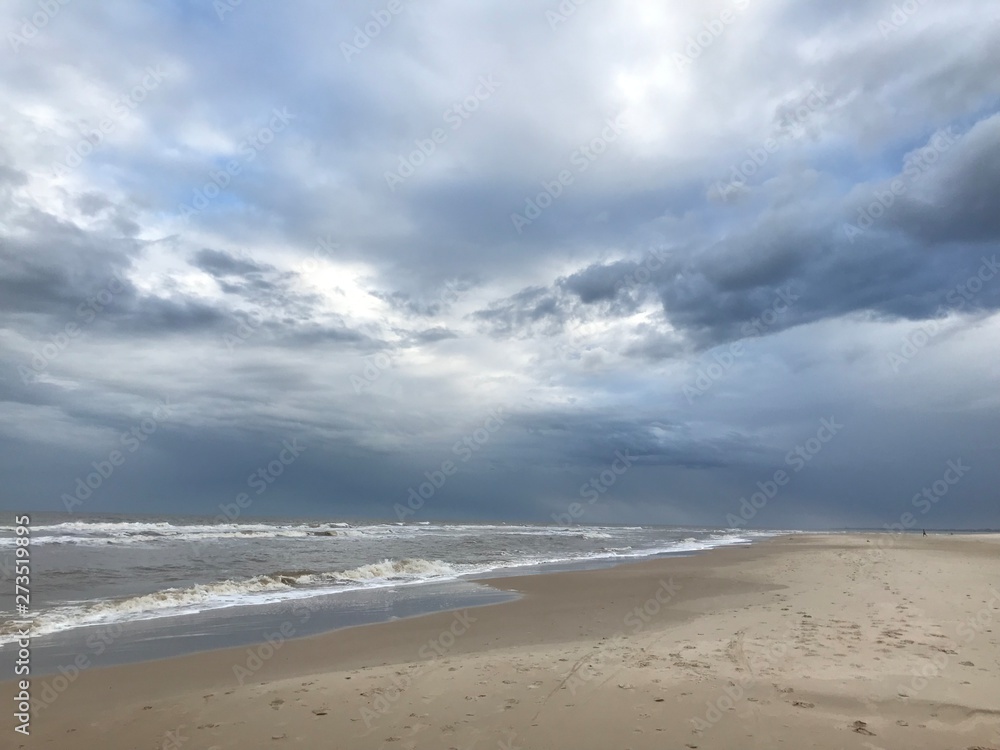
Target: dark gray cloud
219	264
908	241
430	335
519	314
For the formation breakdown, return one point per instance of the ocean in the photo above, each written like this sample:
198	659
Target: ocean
145	587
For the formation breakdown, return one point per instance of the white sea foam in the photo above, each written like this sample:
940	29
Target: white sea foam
91	533
96	534
261	589
390	569
279	586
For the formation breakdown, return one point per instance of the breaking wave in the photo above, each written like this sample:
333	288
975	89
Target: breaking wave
101	533
262	589
411	553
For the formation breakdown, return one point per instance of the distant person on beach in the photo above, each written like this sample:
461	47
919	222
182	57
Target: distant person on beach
925	532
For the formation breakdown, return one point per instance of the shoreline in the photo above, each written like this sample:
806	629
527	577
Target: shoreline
669	633
313	613
152	638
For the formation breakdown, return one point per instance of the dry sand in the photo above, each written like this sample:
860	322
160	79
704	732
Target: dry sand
838	641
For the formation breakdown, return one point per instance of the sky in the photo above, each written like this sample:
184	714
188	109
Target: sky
728	263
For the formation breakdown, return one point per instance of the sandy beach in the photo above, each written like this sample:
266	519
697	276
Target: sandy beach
820	641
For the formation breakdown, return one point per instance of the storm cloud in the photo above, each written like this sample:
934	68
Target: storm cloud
682	233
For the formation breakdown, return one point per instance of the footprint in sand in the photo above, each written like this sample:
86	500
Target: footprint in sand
861	727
